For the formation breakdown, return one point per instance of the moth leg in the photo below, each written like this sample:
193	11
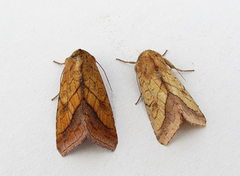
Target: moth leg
139	99
165	53
130	62
55	97
58	63
173	67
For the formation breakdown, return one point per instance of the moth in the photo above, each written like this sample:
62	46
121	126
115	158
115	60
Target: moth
83	109
167	101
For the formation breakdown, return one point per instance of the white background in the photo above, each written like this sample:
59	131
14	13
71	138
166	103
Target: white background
203	35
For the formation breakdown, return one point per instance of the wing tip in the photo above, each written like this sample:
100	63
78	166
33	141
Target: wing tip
65	149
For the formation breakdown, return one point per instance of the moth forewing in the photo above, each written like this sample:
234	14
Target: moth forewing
167	101
84	110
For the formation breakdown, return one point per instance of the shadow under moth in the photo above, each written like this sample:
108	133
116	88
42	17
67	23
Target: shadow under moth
83	109
167	101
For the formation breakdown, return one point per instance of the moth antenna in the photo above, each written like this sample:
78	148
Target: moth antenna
60	78
139	90
181	75
165	53
105	75
129	62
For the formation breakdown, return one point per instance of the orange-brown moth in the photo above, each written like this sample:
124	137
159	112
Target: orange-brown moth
167	101
83	110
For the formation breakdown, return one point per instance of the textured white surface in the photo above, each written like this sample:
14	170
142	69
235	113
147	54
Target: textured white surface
202	35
